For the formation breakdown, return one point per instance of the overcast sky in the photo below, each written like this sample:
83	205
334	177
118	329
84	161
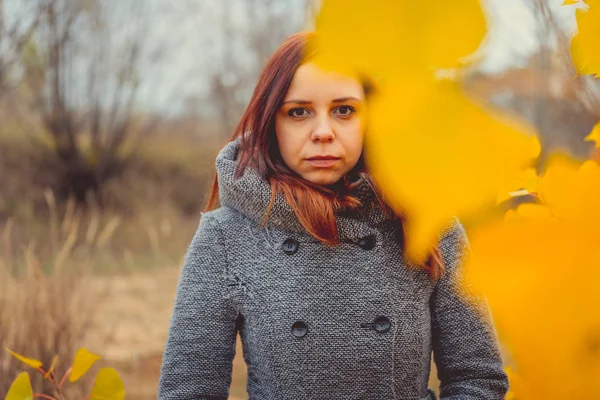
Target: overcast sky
511	39
190	32
512	31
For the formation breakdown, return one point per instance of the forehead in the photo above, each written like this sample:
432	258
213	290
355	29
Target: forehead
312	83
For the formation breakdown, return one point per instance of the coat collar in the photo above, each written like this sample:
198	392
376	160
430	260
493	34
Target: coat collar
250	195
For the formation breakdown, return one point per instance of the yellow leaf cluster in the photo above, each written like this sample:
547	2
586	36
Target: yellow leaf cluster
449	157
107	385
435	153
539	270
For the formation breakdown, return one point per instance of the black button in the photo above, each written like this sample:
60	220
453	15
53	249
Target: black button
299	329
368	242
290	246
381	324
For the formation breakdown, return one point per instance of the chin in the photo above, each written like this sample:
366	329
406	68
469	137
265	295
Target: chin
323	179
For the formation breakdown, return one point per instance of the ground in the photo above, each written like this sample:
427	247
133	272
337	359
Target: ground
138	312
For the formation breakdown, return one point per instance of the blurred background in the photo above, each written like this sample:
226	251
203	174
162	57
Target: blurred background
111	115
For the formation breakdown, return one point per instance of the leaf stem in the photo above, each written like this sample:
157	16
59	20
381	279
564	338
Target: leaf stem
64	377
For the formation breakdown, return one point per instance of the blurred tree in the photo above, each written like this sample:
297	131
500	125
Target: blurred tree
15	33
582	98
81	74
247	34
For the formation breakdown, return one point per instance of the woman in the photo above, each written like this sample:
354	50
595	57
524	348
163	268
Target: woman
304	259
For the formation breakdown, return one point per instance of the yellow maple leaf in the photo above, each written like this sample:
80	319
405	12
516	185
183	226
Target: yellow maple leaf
108	386
440	156
594	135
393	37
21	388
585	46
539	272
82	362
29	361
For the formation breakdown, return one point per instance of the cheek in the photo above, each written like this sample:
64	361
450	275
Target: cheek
286	139
355	136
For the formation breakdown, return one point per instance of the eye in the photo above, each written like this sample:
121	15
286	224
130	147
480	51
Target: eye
298	112
344	111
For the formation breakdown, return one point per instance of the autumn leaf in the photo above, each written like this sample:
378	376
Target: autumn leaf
395	37
82	362
20	388
441	156
539	271
585	46
29	361
595	135
108	386
425	140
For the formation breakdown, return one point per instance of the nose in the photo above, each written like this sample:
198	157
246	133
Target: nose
322	131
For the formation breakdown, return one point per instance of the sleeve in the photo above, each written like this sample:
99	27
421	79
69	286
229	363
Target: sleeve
200	346
465	344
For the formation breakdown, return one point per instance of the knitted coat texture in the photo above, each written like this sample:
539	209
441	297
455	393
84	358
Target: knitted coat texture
353	321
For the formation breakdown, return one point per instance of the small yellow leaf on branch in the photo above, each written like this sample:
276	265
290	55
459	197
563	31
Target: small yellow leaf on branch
82	362
108	386
21	388
29	361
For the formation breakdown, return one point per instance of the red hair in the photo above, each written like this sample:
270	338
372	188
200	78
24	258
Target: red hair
314	205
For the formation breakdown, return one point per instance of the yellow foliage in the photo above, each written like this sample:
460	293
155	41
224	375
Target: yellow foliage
29	361
20	388
82	362
539	270
585	46
439	155
388	38
108	386
595	135
435	153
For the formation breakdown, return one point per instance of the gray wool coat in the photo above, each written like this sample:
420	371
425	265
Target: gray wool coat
353	321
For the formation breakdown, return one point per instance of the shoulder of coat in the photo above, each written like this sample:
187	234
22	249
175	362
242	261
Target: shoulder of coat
223	216
453	235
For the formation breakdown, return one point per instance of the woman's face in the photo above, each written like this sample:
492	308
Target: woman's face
320	125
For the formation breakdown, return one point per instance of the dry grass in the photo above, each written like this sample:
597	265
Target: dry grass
45	313
52	251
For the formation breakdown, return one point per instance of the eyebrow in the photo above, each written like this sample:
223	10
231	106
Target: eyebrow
340	100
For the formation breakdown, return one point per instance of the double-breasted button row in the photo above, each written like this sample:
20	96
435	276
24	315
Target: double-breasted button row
381	324
290	246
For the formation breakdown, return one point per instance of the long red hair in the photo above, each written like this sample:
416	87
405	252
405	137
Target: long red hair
314	205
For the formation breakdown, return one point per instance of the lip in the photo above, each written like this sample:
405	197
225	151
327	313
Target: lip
323	161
